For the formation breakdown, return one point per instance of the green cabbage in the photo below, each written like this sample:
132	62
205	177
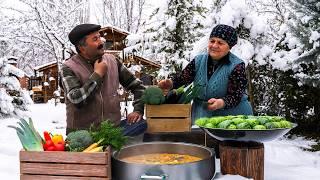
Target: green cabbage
201	121
252	122
224	124
259	127
237	121
273	125
263	120
232	126
285	124
209	125
244	125
216	120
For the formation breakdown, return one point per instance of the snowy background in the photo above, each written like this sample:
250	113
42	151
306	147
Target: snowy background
284	159
279	40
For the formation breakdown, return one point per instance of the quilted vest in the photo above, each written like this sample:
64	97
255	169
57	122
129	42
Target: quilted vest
104	104
216	87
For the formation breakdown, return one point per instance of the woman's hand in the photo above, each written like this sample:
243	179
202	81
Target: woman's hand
215	104
166	85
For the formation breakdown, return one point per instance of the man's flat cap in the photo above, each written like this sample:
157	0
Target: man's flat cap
80	31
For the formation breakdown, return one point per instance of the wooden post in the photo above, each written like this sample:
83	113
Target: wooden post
243	158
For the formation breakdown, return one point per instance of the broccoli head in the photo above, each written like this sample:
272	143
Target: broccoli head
153	95
79	140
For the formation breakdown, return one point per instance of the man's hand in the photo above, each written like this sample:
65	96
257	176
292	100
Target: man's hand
100	67
215	104
134	117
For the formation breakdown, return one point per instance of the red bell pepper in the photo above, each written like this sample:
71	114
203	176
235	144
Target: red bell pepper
46	136
59	146
49	145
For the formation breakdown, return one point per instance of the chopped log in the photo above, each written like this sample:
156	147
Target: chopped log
242	158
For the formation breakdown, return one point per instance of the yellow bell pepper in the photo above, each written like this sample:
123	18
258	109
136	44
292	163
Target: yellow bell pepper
57	138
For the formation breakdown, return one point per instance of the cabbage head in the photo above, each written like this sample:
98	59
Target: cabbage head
285	124
244	125
201	121
263	120
232	126
209	125
259	127
252	122
224	124
216	120
237	121
273	125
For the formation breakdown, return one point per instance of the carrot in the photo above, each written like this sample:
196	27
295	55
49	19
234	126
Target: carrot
92	146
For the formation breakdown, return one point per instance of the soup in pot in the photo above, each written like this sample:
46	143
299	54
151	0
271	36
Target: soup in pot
161	158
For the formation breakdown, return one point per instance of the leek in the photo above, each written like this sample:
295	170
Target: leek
28	136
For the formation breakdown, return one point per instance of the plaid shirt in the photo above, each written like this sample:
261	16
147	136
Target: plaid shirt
79	93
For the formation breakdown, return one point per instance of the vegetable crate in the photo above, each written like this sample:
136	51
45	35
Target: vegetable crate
168	118
62	165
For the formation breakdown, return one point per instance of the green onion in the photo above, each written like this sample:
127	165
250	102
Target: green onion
29	137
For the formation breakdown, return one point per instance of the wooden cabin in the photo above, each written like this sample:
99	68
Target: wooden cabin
44	82
115	38
148	71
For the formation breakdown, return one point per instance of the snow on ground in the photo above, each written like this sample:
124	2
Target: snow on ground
284	158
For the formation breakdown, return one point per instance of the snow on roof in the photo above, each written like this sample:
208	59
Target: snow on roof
12	59
3	39
44	65
115	28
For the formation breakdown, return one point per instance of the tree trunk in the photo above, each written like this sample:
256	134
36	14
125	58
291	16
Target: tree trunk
250	88
245	159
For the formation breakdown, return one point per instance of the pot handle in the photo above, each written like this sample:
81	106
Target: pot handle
161	177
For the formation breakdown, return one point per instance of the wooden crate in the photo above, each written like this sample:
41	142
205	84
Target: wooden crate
58	165
168	118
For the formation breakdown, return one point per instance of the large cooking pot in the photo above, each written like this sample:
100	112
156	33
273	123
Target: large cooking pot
199	170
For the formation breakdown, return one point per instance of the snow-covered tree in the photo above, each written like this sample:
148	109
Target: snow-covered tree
39	32
299	79
178	28
125	14
304	24
13	100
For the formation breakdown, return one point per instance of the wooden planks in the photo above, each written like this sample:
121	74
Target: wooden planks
65	165
47	177
168	118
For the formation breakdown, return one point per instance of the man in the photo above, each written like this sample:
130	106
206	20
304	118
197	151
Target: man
91	79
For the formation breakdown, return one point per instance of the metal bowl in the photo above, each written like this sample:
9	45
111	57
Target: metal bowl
198	170
247	134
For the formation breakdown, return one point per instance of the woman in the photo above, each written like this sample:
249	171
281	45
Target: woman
221	76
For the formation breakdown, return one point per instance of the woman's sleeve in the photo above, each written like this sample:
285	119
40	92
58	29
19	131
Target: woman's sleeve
185	77
236	86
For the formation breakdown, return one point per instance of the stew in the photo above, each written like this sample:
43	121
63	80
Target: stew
161	158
